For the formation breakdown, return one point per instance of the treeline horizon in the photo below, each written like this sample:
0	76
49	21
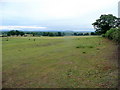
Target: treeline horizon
42	33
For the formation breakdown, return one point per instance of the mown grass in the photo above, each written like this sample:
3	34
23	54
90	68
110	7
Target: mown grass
59	62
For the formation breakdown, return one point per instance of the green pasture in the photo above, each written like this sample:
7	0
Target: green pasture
59	62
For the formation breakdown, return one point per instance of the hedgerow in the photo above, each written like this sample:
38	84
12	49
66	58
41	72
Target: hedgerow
113	34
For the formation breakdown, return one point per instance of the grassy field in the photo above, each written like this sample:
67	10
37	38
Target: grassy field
59	62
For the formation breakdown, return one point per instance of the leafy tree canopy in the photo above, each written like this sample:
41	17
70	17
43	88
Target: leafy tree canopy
105	23
15	32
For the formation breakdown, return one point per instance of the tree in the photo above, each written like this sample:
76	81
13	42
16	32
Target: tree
45	33
118	22
105	23
22	33
75	34
92	33
50	34
59	34
86	33
11	32
80	34
15	32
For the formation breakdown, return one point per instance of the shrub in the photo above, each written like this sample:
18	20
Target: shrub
116	35
109	33
103	35
113	34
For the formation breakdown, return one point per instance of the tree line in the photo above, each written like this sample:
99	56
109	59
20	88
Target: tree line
25	33
15	32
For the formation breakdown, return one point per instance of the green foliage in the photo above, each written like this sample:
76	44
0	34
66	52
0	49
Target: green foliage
118	22
15	32
50	34
116	35
108	26
78	34
93	33
113	34
103	35
86	33
40	33
105	23
109	33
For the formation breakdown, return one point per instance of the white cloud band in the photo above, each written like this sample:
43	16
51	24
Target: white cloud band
20	27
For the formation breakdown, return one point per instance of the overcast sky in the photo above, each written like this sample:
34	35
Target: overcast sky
54	14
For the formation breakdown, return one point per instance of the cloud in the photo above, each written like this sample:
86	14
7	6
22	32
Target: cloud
15	1
53	9
54	13
20	27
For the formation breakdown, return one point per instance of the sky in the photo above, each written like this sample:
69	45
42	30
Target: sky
45	15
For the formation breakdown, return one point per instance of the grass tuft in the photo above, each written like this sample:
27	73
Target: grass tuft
85	46
84	52
90	47
77	47
80	47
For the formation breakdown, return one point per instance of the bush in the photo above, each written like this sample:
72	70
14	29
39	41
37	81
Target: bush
116	35
113	34
103	35
109	33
